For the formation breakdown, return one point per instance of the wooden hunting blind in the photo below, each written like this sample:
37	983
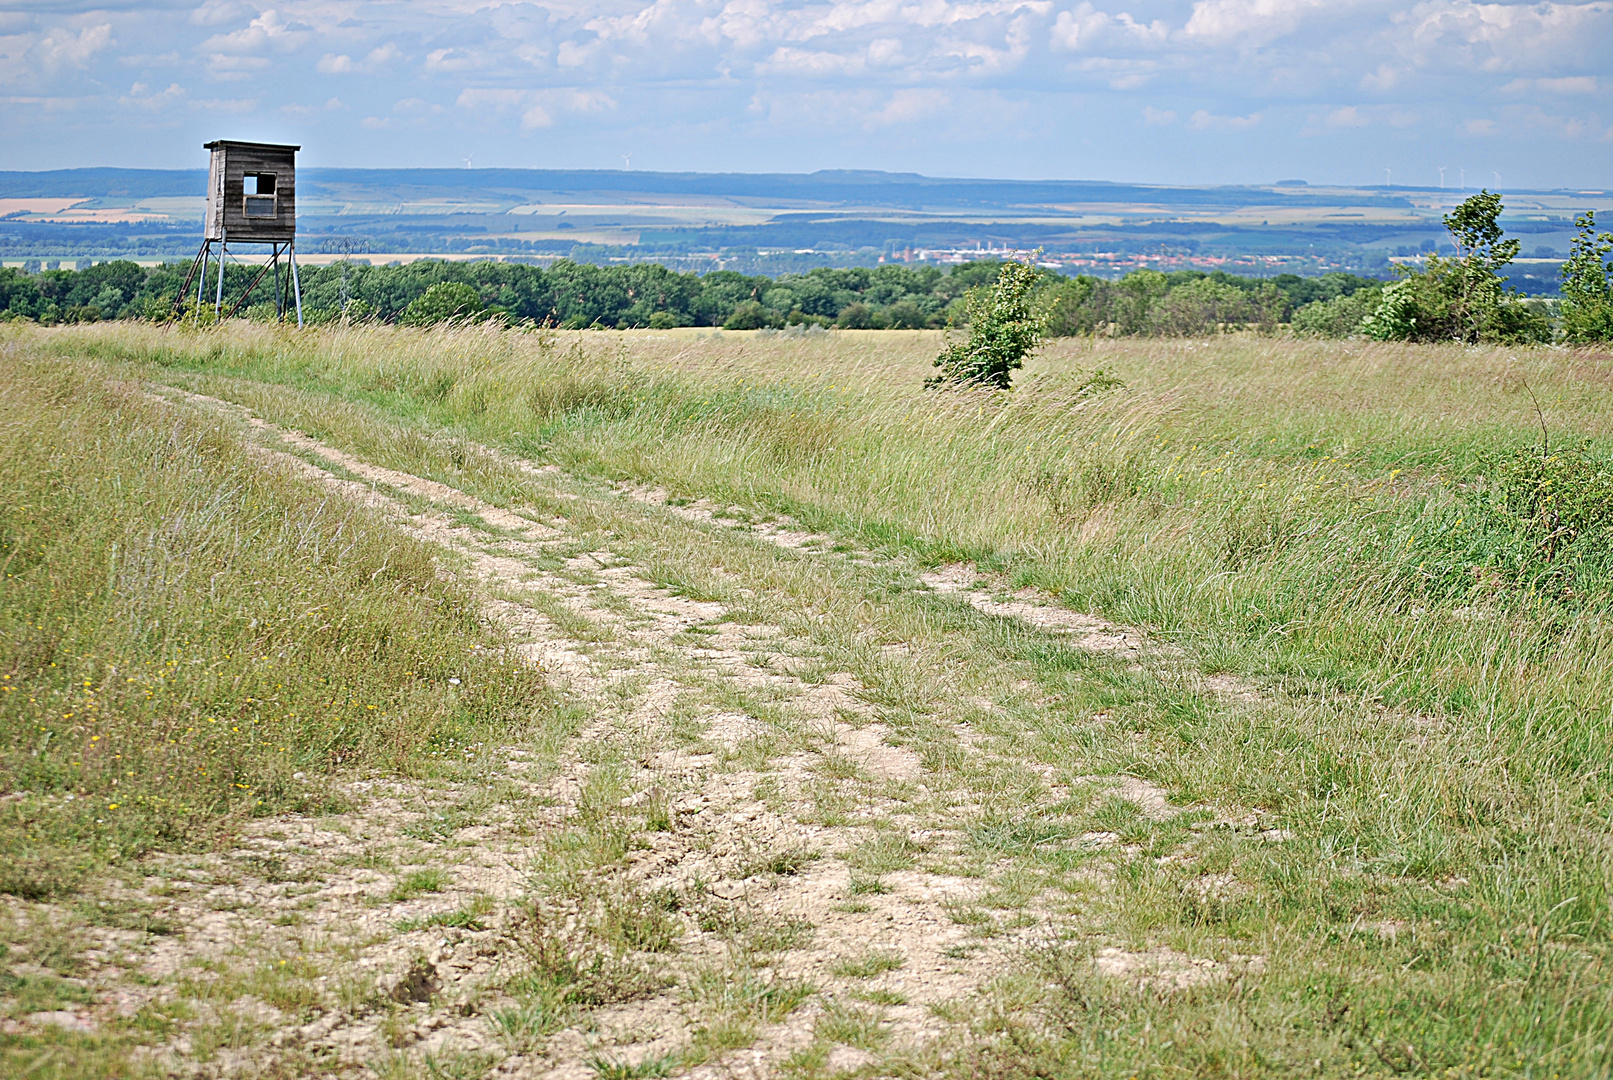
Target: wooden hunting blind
251	200
251	192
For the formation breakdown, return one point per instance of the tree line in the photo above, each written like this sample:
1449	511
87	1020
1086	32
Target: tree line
1460	297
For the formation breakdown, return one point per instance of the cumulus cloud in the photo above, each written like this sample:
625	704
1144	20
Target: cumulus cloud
721	78
63	47
1085	27
1247	23
1204	120
1347	117
1505	37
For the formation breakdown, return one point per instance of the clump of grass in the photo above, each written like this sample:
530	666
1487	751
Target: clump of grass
848	1024
884	852
730	1004
869	964
583	948
524	1026
428	879
786	863
468	917
612	1069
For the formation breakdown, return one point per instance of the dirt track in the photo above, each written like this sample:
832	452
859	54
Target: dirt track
788	862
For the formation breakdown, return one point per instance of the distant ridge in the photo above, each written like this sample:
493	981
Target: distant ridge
833	186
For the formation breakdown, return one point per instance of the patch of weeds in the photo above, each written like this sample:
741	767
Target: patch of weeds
1123	818
842	1023
808	1061
286	984
771	934
781	863
412	884
963	914
288	918
161	1019
40	993
879	997
831	805
855	907
960	952
435	826
645	922
1018	836
884	853
866	886
582	956
869	964
125	915
467	917
837	766
274	870
731	1004
658	815
458	1066
524	1026
611	1069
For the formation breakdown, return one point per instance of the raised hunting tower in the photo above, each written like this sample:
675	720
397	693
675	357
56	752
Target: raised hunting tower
251	200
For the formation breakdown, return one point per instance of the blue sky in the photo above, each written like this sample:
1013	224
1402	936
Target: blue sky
1201	91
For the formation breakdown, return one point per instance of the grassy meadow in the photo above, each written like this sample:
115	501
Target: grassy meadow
1401	556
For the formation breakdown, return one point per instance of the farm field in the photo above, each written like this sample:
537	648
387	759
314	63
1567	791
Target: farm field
471	702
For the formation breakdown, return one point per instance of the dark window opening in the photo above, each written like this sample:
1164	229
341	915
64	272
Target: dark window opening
259	183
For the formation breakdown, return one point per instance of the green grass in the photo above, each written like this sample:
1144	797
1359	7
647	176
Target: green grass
872	963
426	880
1353	530
183	630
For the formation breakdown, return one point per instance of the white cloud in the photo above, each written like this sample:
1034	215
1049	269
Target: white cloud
1204	120
63	47
342	64
1085	27
906	106
1347	117
535	108
1385	78
140	96
1247	23
1461	35
1158	117
1573	84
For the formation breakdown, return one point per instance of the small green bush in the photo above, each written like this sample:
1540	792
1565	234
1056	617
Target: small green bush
1588	284
1004	328
1339	317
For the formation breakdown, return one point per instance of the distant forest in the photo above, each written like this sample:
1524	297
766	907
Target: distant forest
578	295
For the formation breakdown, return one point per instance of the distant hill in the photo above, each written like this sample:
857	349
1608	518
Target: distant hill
772	222
905	190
